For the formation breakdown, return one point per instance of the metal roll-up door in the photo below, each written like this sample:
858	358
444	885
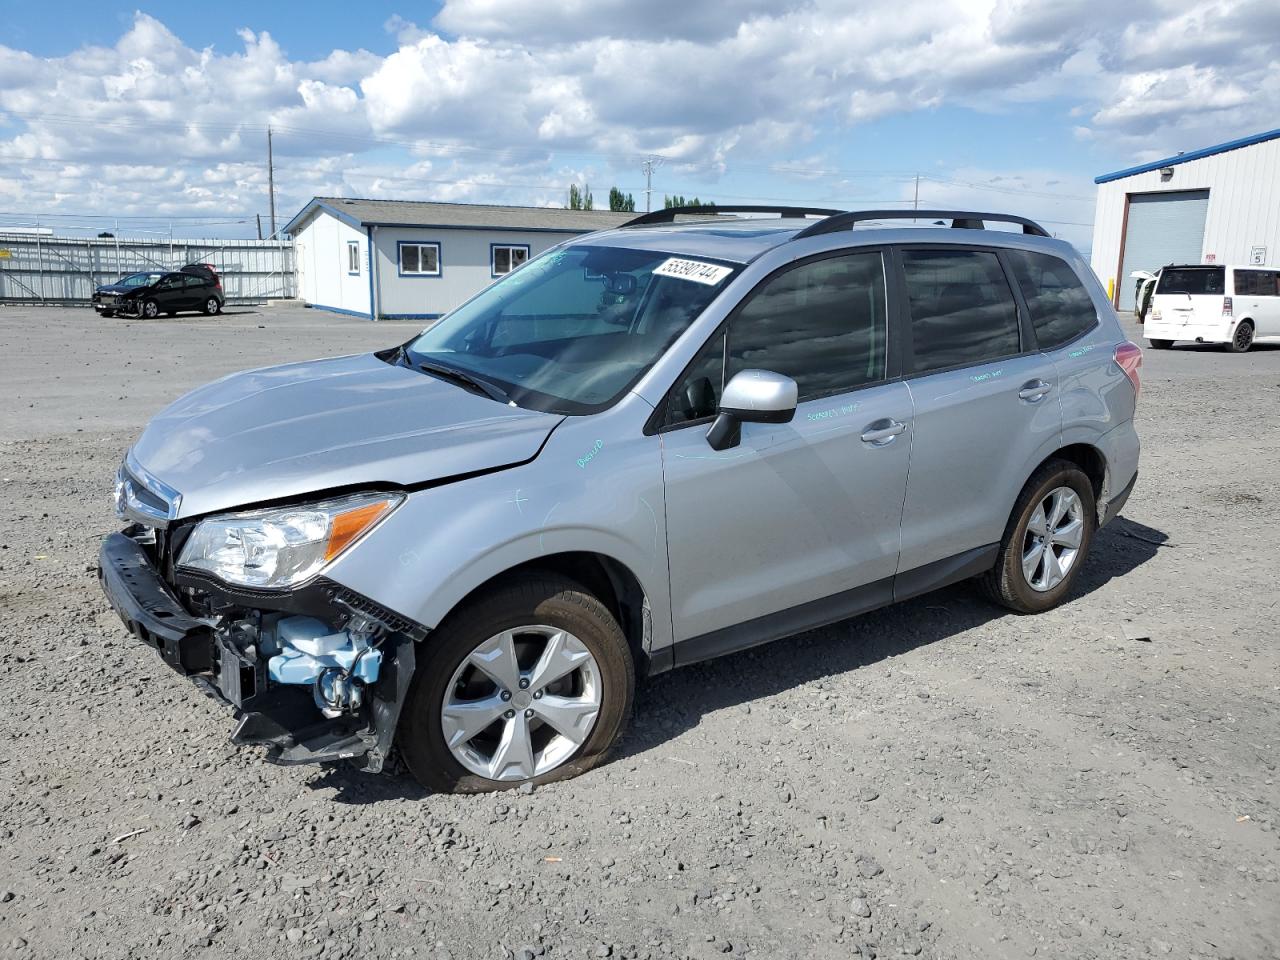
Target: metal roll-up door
1162	228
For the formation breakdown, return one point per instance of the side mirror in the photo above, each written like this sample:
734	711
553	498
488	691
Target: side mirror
752	396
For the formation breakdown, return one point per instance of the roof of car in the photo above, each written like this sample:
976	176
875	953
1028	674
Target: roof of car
742	239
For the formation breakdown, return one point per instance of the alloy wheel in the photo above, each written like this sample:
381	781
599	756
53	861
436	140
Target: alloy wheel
1243	337
1052	541
521	703
211	306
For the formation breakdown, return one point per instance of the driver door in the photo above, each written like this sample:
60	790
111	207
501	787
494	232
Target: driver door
800	523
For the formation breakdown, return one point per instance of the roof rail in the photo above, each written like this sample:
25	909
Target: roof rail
961	220
669	214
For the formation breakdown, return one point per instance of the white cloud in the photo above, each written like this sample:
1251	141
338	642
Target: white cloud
503	100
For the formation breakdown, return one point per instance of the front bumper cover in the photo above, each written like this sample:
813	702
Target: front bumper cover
281	717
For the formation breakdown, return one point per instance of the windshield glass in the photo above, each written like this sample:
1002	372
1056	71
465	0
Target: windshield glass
1192	280
571	331
139	279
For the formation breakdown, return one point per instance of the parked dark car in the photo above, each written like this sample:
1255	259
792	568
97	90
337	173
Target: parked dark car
153	292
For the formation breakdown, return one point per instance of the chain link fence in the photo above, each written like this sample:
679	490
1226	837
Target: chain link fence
36	269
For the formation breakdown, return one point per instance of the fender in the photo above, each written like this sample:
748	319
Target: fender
444	542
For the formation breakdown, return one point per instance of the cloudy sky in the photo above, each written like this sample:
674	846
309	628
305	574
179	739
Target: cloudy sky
156	116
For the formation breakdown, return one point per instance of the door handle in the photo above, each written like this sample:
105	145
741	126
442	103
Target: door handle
1033	391
882	432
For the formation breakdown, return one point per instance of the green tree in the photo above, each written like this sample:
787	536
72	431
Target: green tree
680	201
620	202
580	198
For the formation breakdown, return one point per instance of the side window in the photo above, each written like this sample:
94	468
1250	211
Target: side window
821	323
193	281
353	257
962	310
1059	304
1256	283
697	396
171	282
506	257
419	259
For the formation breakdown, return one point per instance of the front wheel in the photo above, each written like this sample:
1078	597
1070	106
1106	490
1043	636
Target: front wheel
1160	344
532	681
1242	339
1046	541
151	309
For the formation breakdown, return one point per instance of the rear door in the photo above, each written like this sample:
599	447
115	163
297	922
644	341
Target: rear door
801	513
984	398
1192	296
196	290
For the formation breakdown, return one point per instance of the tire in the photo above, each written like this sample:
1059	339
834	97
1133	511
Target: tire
446	676
1007	583
1160	344
150	309
1242	339
212	307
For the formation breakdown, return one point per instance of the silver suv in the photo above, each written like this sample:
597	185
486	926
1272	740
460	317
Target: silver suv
646	447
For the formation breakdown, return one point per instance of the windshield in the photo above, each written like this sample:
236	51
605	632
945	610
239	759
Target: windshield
139	279
571	331
1194	280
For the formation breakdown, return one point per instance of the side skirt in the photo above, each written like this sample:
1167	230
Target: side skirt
833	609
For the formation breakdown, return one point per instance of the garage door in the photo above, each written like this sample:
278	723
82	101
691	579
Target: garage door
1163	228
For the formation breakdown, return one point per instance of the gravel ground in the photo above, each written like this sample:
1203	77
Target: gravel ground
941	779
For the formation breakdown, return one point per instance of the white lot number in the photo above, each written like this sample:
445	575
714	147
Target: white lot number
695	270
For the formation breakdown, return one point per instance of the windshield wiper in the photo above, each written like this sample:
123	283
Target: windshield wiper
490	390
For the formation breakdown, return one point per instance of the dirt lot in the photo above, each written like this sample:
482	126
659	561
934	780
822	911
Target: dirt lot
942	779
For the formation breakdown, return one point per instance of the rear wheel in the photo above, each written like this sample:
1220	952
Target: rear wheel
1046	541
532	681
1160	344
212	306
1242	339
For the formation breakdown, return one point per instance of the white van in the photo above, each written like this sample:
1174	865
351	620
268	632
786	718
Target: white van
1215	304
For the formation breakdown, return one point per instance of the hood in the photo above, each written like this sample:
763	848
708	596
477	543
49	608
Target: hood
120	288
296	429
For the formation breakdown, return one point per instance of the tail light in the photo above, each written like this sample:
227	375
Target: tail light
1226	306
1128	357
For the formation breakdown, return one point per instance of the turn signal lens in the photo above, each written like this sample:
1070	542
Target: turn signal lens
347	526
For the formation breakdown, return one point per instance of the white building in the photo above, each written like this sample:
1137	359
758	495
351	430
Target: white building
1216	205
427	257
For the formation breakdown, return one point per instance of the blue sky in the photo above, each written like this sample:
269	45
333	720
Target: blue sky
156	116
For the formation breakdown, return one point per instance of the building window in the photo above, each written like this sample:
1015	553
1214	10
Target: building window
353	258
419	259
505	257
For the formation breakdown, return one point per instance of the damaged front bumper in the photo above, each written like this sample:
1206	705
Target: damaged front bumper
212	651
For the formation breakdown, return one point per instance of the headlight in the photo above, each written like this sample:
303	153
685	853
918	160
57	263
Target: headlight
283	546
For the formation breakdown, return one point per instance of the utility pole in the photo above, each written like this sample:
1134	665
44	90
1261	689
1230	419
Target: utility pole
259	216
271	183
650	163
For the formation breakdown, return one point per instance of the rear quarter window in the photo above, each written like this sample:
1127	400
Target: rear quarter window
1058	302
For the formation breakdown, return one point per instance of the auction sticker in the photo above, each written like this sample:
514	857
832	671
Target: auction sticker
695	270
